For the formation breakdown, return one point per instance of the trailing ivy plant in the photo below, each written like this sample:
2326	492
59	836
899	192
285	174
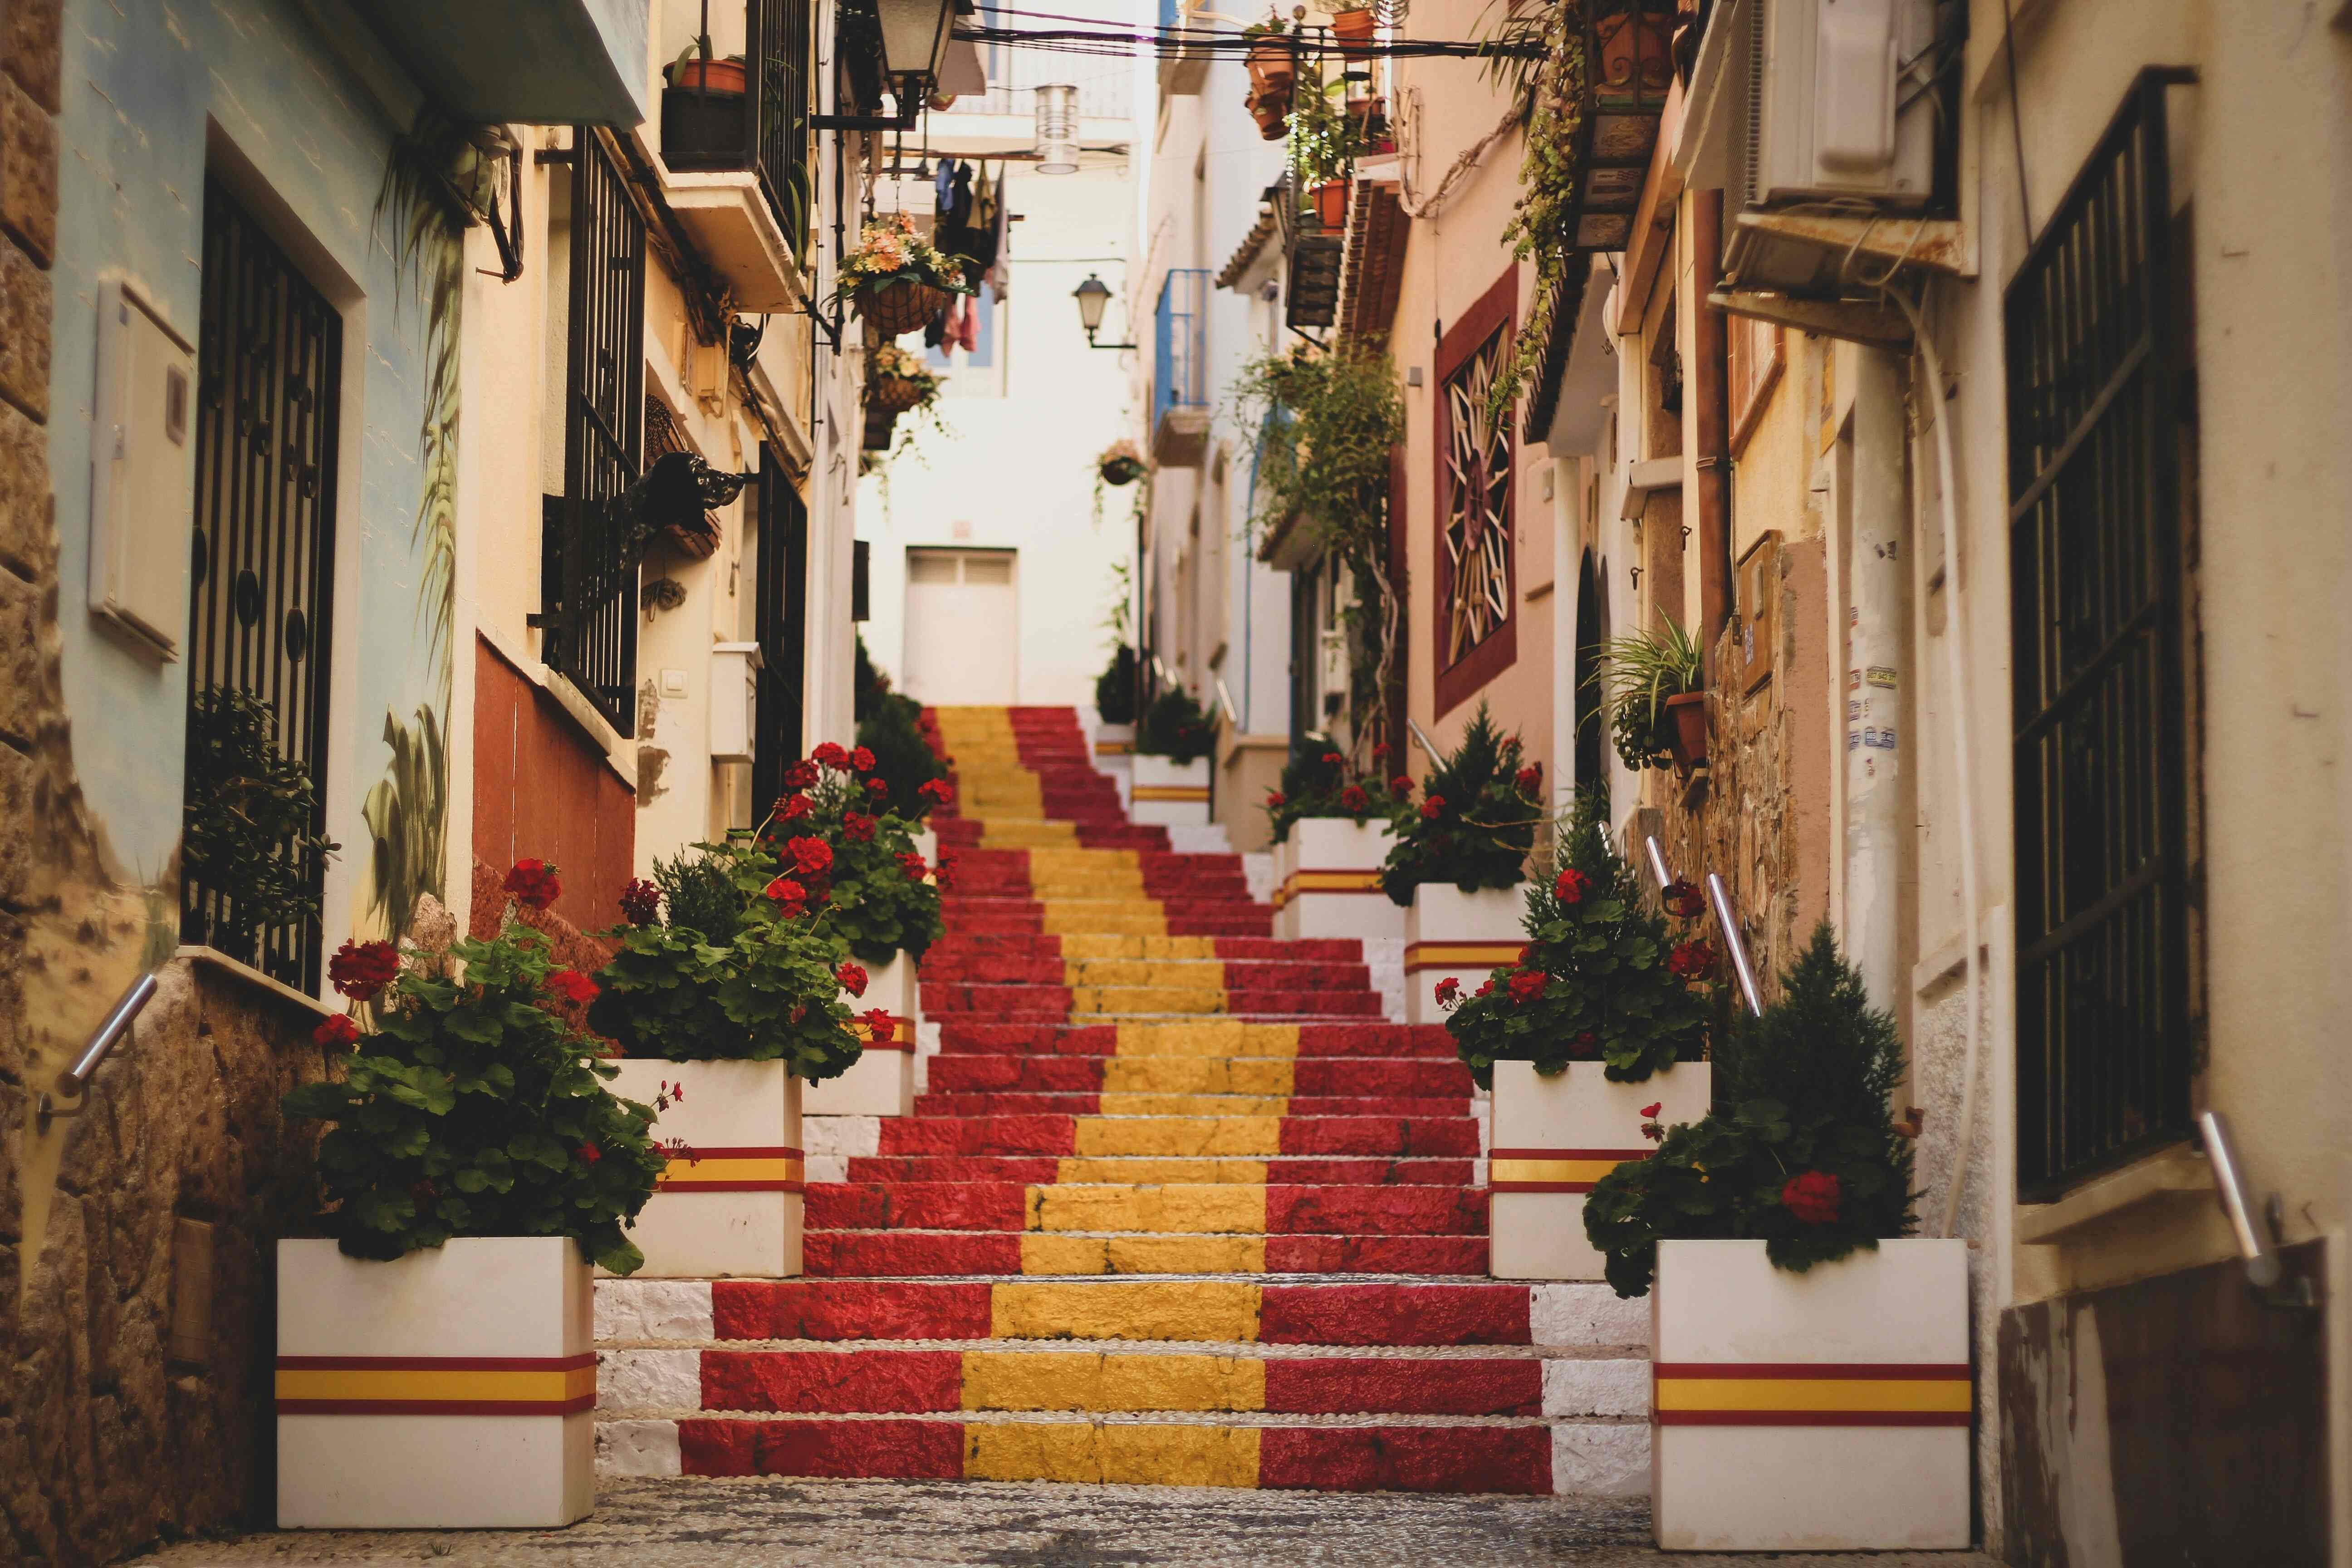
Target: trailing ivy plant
1328	423
1636	674
1475	821
1601	979
1538	53
473	1109
246	829
1802	1152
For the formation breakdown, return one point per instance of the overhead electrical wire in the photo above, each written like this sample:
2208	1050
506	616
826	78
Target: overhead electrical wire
1167	42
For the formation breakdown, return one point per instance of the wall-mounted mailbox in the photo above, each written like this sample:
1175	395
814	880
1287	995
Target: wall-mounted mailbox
734	698
143	472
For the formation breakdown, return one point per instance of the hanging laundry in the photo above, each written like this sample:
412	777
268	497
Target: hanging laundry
987	202
965	327
999	273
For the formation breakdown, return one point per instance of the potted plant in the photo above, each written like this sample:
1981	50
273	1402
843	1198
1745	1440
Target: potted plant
435	1365
1652	695
1272	60
724	994
1332	205
1171	761
1812	1385
897	380
1120	464
1459	857
703	121
1331	833
1271	111
881	903
1591	1041
896	279
1353	30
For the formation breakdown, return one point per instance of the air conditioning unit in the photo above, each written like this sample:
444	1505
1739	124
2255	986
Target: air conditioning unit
1838	107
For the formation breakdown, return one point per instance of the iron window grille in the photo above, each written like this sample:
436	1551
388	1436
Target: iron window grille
589	568
261	572
2094	370
780	625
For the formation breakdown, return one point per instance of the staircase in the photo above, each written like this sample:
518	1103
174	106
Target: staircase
1177	1208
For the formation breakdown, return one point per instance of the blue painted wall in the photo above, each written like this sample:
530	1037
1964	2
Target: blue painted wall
146	80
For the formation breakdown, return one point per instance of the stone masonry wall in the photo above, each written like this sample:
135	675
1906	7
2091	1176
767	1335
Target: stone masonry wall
163	1196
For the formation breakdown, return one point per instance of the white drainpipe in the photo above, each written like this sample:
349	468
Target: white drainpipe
1875	733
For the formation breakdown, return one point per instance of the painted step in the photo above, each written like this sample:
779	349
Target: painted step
1244	1136
1147	1103
1041	1169
1300	1041
906	1254
1207	1208
978	1074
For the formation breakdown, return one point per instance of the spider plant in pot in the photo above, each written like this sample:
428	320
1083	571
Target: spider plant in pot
1654	696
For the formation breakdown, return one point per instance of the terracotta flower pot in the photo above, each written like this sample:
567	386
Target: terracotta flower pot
1353	29
1272	114
719	76
1685	727
896	308
1272	66
1332	205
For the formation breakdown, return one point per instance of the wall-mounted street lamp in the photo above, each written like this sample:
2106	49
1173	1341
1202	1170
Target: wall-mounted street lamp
1092	295
915	35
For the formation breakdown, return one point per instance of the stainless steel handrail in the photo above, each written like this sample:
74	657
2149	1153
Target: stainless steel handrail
1225	701
75	1080
2254	1244
1724	918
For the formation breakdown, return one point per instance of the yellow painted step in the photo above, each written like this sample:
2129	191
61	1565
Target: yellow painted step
1183	976
1209	1039
1044	1252
1152	949
1091	1380
1084	917
1161	1169
1126	1453
1193	1105
1211	1209
1246	1135
1098	999
1197	1075
1210	1310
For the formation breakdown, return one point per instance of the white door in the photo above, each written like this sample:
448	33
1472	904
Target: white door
963	646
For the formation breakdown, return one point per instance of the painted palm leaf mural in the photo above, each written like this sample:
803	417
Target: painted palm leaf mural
1477	531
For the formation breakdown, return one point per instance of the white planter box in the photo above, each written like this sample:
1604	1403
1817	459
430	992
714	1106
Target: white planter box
451	1389
1113	744
1449	932
1826	1411
1326	882
1171	794
882	1081
1554	1137
733	1208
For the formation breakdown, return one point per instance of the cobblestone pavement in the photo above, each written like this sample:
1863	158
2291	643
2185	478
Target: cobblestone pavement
886	1524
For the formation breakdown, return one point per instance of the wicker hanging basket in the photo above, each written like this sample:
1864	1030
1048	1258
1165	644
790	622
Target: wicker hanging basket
893	393
897	308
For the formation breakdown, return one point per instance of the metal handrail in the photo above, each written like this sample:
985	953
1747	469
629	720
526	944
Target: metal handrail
1720	897
2261	1258
75	1080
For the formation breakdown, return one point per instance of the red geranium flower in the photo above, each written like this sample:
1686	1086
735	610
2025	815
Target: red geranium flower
877	788
1400	785
862	760
1690	960
1433	807
1527	957
1682	899
571	986
1486	988
856	827
794	807
590	1153
1570	888
789	896
640	902
830	756
535	883
339	1030
1380	748
852	978
913	866
1528	985
1585	1047
945	879
1274	800
880	1026
1354	801
1530	779
810	856
1813	1196
939	789
1449	991
1651	1110
361	969
1652	1128
1334	760
799	775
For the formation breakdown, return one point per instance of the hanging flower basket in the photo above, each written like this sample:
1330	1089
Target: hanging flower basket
1273	68
1272	114
896	381
896	279
1353	29
894	393
1122	464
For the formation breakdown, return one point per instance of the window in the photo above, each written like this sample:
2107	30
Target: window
1476	636
780	625
269	373
2095	382
589	564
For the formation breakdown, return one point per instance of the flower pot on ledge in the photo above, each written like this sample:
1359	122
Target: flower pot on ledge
1826	1411
1332	205
454	1388
1327	876
1449	933
1685	727
1553	1138
1169	793
729	1203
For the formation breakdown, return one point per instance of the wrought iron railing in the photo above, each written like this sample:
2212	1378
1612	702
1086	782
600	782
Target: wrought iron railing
2097	368
262	576
764	128
1180	364
589	600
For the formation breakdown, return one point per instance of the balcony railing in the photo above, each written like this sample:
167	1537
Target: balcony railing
711	126
1181	343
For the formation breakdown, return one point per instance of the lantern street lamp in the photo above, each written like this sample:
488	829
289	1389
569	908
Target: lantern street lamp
913	39
1092	295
